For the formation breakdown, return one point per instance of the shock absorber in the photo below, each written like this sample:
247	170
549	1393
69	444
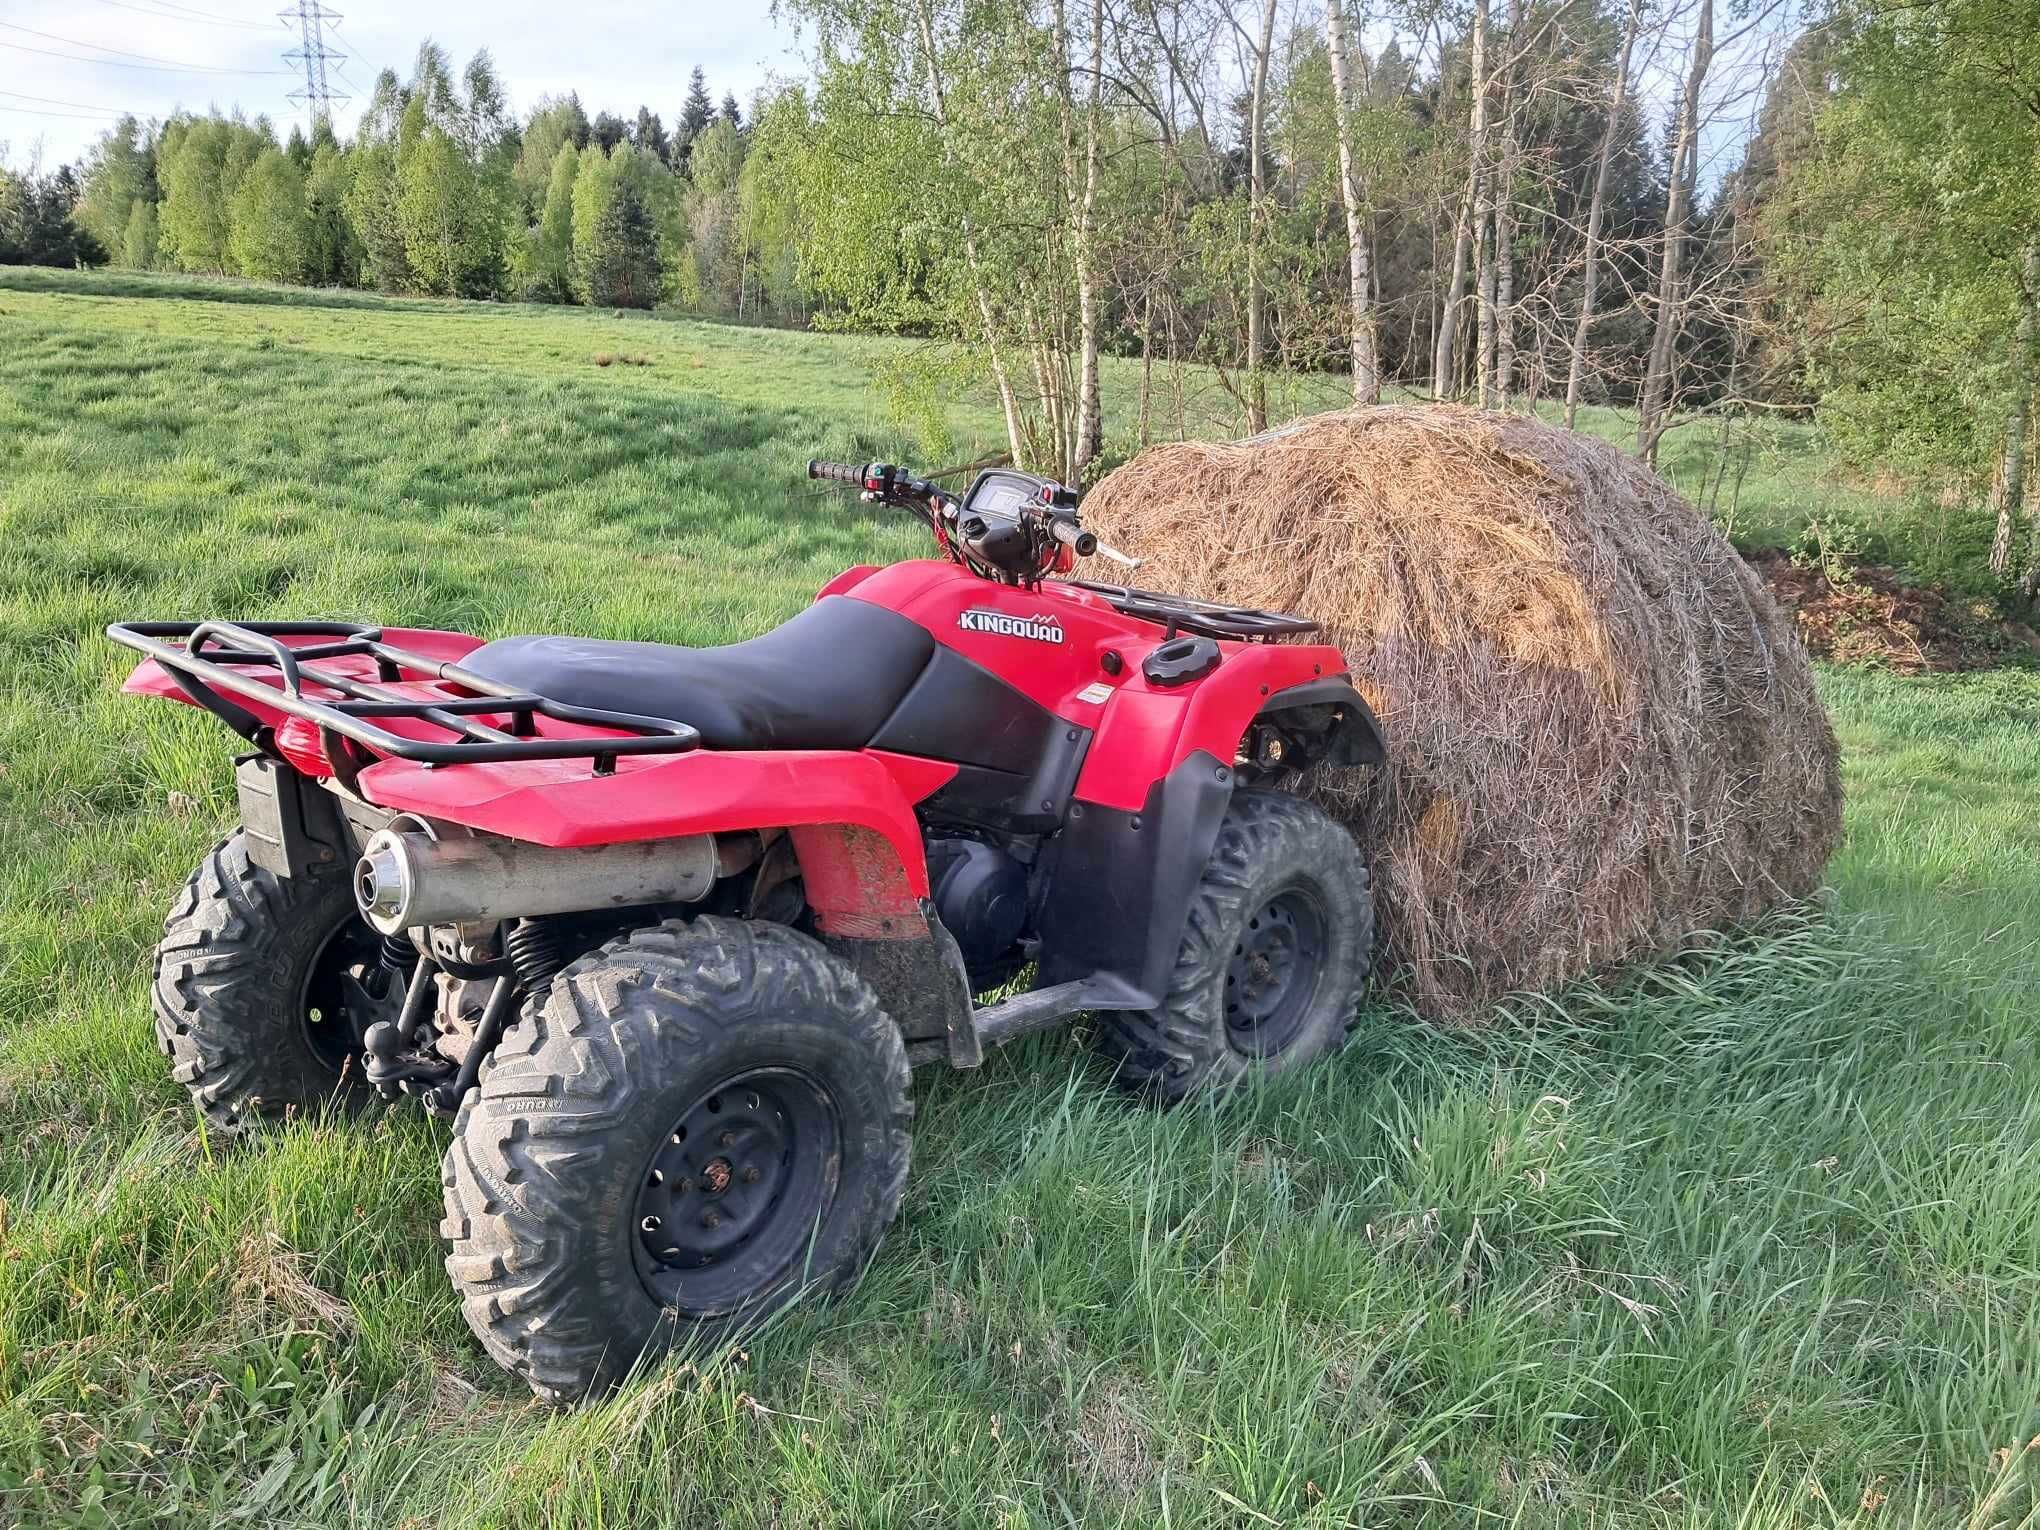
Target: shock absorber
399	956
533	946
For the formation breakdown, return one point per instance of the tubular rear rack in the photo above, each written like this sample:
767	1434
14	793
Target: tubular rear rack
1179	613
204	673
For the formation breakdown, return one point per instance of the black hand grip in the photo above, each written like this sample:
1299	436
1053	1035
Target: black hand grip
1083	541
836	472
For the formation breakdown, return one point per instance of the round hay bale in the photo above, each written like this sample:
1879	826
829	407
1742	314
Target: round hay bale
1603	733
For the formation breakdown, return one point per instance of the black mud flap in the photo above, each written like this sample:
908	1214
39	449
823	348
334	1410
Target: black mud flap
290	825
921	984
1123	881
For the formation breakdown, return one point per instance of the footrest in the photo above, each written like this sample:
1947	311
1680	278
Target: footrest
997	1024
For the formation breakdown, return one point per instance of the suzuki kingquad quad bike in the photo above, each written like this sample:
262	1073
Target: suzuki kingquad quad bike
663	929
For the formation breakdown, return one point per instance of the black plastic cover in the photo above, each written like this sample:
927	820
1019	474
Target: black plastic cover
1122	882
1016	760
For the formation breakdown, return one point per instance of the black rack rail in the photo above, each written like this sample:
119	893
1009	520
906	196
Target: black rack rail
203	674
1180	613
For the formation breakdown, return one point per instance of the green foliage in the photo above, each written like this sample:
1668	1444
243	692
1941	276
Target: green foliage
550	273
436	196
270	230
332	250
192	164
139	239
695	115
1900	241
622	264
716	280
556	123
773	226
120	172
1835	543
36	223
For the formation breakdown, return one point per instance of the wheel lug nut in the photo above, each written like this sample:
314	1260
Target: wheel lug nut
684	1186
751	1174
729	1139
710	1219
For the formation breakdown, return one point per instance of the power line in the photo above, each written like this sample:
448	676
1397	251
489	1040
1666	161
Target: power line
146	58
194	12
204	21
35	111
114	63
83	106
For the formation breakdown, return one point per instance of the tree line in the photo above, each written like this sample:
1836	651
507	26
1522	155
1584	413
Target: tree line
442	191
1690	210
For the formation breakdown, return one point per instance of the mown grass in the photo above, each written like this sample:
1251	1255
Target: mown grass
1753	1237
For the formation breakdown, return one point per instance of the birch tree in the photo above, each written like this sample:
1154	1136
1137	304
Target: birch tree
1445	353
1597	212
1359	239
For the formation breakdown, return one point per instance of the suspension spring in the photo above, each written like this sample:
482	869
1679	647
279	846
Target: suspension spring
399	955
533	947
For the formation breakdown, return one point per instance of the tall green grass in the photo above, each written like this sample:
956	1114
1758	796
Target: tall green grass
1752	1237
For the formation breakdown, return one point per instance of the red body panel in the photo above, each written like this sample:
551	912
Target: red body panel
843	806
1142	731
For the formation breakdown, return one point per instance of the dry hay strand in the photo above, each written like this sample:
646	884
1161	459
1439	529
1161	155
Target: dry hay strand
270	1278
1604	735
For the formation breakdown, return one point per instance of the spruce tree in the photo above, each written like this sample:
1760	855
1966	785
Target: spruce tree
694	116
623	266
649	134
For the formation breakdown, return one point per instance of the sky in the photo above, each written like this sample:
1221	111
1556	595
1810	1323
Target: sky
617	54
68	68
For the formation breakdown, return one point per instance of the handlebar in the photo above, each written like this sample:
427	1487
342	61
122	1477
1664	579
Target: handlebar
1052	514
1083	543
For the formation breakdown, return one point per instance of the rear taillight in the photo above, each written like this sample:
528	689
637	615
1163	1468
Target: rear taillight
298	741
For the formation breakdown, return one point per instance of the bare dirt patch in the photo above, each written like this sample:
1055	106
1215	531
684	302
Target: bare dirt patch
1872	616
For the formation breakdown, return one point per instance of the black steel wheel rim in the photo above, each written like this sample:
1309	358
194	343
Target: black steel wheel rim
347	990
734	1190
1272	976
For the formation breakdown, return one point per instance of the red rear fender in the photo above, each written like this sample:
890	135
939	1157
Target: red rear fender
851	814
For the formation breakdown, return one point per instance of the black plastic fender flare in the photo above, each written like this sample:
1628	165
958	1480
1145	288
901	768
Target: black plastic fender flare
1357	739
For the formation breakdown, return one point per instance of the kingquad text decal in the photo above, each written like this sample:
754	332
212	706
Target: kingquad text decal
1043	629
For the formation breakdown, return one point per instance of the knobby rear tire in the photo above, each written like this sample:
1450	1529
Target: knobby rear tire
550	1153
230	982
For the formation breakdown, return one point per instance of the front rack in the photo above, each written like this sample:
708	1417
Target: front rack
1180	613
349	720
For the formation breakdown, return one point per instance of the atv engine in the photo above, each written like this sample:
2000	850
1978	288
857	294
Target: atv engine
980	893
458	1014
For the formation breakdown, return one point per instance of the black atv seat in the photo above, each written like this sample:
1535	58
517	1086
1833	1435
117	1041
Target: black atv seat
825	680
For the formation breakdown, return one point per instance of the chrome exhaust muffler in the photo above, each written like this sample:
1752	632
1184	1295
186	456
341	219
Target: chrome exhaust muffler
409	876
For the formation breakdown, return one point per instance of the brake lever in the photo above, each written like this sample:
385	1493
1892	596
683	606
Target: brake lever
1107	550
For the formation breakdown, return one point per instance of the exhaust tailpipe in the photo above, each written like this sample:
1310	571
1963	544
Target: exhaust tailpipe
408	877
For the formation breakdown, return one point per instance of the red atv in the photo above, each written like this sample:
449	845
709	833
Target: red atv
663	929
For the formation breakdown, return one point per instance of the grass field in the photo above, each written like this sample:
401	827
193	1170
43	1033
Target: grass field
1753	1238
